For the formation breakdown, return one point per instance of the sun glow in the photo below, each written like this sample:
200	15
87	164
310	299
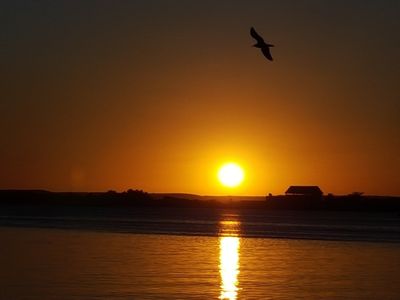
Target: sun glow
231	175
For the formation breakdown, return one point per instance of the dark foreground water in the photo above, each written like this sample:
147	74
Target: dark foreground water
190	255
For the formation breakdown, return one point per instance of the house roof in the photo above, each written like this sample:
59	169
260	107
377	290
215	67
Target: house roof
304	190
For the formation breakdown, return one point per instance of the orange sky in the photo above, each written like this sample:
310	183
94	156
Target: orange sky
157	95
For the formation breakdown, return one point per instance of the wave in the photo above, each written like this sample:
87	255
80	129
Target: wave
287	225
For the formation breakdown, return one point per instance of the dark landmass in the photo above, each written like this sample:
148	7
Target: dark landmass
139	198
346	218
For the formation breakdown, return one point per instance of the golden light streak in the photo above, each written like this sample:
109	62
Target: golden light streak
229	260
229	267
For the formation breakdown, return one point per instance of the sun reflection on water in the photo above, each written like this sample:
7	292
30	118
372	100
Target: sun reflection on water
229	244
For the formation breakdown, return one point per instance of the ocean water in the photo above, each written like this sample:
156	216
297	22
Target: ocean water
222	256
203	221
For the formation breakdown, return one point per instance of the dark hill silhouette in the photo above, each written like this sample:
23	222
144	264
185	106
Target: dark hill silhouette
139	198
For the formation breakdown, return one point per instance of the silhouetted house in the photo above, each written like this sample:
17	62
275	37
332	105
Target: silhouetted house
307	191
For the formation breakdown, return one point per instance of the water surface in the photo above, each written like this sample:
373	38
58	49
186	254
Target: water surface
78	264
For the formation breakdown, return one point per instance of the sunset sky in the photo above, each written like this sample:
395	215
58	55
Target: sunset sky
157	95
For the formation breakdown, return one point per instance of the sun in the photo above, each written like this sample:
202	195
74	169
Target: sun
231	175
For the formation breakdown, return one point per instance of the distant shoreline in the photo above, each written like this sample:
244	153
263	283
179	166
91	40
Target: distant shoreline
139	198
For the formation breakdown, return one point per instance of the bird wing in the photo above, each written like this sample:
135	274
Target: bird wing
255	35
267	53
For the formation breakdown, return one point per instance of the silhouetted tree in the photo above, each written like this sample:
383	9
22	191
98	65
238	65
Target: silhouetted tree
356	194
137	195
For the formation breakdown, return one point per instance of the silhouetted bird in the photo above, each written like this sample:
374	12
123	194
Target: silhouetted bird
261	44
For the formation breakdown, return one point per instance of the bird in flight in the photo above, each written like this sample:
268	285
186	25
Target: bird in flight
261	44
